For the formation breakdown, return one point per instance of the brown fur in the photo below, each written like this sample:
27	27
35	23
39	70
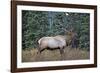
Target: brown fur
59	41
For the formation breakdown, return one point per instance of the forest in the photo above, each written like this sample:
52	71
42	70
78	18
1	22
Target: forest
37	24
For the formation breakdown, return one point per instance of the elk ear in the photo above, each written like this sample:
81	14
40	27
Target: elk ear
72	29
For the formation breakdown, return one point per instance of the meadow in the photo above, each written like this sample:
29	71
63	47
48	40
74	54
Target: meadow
54	55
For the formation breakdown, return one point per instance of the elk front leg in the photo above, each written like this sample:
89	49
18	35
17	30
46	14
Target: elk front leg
62	53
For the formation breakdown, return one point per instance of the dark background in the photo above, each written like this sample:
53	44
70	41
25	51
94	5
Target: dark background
37	24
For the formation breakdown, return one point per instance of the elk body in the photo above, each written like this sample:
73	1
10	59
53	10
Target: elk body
52	43
59	41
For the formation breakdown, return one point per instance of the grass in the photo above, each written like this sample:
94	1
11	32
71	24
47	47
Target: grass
54	55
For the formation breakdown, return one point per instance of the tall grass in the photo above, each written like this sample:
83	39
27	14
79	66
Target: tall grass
54	55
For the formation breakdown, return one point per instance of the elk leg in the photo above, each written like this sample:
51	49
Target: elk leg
39	50
62	52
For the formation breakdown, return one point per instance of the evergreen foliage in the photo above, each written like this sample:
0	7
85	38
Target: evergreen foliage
37	24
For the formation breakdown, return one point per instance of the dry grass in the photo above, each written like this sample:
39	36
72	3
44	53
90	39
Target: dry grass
54	55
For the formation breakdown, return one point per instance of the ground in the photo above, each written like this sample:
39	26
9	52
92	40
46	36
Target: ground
54	55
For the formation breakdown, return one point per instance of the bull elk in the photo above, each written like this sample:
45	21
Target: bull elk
59	41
